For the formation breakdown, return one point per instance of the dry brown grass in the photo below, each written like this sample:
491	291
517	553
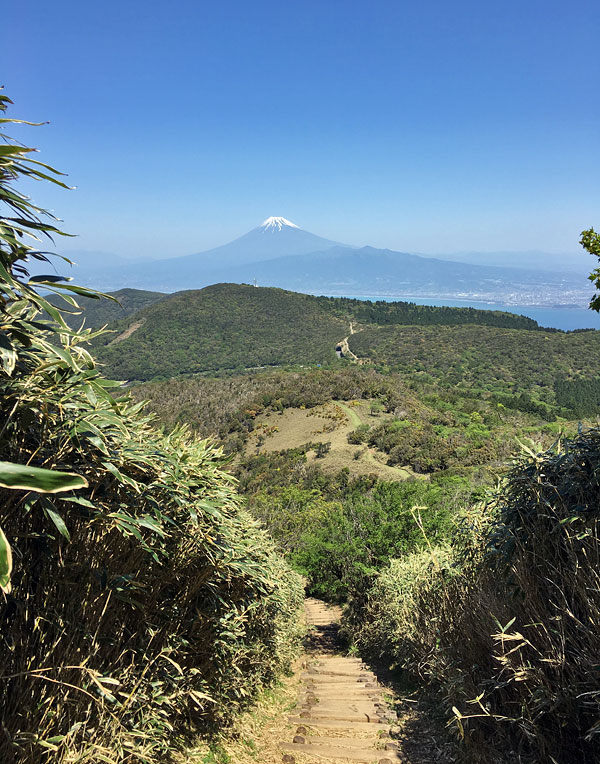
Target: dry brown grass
329	423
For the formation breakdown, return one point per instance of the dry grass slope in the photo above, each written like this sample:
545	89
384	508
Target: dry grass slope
329	423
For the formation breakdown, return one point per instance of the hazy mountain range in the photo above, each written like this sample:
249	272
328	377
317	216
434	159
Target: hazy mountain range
279	253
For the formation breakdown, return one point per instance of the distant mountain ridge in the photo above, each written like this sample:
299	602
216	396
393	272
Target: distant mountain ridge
280	253
275	237
383	271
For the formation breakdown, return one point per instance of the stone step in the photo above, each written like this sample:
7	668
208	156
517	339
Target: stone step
340	724
345	742
362	755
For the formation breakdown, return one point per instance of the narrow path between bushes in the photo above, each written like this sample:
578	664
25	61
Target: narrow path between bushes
331	710
343	713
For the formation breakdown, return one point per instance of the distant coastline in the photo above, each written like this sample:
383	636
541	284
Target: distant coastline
566	317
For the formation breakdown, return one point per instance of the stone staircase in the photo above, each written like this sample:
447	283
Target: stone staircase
341	713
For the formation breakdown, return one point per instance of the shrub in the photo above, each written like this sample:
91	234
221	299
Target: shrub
389	625
322	449
508	633
147	601
358	436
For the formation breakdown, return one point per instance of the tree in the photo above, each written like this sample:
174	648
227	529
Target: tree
590	241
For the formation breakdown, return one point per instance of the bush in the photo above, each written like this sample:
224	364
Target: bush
147	601
388	624
506	627
359	436
322	449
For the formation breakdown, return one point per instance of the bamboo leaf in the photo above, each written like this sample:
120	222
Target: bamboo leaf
5	563
50	510
25	478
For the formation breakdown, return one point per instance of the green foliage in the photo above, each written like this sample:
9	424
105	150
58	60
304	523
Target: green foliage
5	563
322	449
433	443
26	478
228	408
344	553
386	624
590	241
236	326
383	313
224	326
98	313
503	625
520	367
292	512
141	589
340	531
579	396
360	435
22	338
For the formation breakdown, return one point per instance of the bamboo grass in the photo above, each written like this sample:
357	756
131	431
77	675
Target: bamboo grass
144	605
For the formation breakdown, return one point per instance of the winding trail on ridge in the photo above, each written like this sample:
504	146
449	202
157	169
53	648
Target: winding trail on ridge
344	349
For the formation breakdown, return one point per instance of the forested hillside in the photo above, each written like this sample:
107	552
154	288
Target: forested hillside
225	326
99	312
523	367
232	327
235	326
228	327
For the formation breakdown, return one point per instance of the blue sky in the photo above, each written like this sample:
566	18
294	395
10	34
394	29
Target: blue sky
425	127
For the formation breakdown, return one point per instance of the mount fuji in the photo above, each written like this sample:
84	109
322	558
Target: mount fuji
276	237
280	253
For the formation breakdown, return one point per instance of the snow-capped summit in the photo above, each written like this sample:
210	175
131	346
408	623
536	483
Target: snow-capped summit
275	238
276	224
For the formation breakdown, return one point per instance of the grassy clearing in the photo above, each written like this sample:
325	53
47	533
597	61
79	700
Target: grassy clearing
329	423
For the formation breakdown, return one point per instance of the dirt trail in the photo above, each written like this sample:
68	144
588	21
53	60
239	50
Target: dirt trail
342	713
343	349
128	332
